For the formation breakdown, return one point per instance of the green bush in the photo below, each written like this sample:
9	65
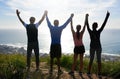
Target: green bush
12	66
108	68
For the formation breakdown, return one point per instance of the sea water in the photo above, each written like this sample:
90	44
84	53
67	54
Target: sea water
110	40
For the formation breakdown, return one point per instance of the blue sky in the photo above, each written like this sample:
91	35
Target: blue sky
61	10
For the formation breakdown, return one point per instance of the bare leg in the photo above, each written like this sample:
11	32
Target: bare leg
74	61
81	62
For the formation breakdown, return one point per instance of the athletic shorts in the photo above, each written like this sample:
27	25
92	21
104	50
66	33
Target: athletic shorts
55	51
79	49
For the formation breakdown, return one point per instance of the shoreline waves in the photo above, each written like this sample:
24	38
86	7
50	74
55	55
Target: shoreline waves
12	49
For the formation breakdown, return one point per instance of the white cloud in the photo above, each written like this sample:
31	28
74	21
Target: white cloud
58	8
61	8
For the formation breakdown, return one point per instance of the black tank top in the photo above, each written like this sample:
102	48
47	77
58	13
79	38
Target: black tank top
32	33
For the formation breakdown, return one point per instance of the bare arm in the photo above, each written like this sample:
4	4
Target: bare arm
18	14
72	30
87	23
41	20
83	30
105	21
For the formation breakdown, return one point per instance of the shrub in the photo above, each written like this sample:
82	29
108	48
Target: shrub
12	66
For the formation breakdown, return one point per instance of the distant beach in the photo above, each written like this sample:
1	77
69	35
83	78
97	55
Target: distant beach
5	49
110	40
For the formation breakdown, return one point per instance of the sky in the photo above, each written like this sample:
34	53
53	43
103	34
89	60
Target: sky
61	10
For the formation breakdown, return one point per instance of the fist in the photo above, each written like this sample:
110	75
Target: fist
87	14
72	14
17	12
108	13
46	12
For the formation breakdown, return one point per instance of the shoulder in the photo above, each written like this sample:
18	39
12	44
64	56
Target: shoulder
36	25
25	24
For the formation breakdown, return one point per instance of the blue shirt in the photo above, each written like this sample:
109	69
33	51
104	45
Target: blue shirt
56	31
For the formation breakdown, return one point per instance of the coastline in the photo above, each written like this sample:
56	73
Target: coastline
6	49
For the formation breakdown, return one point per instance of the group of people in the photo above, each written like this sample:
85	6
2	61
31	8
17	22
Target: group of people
55	47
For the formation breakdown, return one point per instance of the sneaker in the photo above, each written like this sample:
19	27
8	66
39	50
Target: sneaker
37	70
50	72
100	76
28	69
60	72
89	74
80	73
71	73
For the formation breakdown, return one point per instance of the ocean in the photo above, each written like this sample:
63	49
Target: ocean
110	40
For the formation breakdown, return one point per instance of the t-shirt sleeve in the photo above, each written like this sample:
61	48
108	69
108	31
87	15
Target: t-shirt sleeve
25	25
37	25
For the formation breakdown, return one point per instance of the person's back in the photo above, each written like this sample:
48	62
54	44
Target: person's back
56	30
55	47
95	39
32	33
32	38
95	44
56	34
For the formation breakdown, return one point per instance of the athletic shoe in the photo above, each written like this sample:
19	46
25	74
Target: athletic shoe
71	73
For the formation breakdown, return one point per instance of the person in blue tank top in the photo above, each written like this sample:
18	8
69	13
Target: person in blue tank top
32	38
55	48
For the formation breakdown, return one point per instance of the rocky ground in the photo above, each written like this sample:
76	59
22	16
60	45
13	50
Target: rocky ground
43	73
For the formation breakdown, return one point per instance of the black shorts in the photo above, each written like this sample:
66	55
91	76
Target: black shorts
55	51
79	49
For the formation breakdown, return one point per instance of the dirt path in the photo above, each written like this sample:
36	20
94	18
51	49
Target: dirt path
43	73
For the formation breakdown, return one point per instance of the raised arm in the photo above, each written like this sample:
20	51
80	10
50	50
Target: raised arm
105	21
41	20
48	21
18	14
72	30
83	30
87	23
66	23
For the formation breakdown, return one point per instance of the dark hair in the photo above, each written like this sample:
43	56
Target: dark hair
95	25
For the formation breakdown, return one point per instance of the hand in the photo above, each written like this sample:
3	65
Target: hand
108	13
72	15
87	15
46	12
17	12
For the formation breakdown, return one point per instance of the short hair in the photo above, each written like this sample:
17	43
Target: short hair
94	25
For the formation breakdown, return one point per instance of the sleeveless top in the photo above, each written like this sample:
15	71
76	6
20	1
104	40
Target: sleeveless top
78	42
32	33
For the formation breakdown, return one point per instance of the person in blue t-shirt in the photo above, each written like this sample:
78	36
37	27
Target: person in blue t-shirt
32	35
55	48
